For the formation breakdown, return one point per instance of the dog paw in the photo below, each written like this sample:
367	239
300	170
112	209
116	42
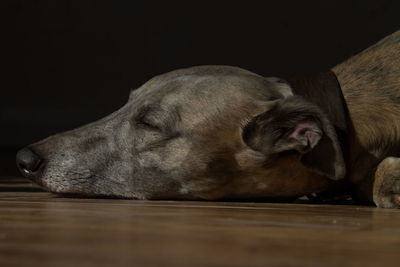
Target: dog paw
386	190
389	200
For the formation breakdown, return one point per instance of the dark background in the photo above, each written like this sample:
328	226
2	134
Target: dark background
67	63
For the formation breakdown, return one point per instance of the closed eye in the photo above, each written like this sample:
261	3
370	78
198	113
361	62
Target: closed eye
144	124
145	118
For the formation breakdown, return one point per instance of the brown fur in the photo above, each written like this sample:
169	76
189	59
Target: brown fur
371	86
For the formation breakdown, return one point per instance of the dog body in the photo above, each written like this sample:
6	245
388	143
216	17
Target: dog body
371	86
218	132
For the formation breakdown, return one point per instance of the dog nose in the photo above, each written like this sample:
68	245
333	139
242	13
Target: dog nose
28	162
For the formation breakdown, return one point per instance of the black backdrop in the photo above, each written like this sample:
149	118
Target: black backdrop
67	63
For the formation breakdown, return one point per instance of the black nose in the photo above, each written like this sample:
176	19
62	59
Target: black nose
28	162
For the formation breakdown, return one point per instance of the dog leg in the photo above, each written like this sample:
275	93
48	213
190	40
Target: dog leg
386	189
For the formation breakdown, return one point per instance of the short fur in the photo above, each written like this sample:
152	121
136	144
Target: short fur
219	132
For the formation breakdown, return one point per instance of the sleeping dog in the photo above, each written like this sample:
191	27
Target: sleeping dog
219	132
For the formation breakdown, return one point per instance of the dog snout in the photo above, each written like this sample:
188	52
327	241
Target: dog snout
29	163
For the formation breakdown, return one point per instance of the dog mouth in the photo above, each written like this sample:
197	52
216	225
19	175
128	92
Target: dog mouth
81	195
39	182
77	193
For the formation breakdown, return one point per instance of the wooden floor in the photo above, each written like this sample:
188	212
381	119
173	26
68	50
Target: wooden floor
41	229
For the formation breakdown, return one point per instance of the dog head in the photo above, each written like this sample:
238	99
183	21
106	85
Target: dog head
198	133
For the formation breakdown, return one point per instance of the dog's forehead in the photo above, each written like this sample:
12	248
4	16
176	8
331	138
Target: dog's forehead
205	88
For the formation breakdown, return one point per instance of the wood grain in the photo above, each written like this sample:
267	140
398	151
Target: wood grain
40	229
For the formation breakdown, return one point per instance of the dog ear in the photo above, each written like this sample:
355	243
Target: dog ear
295	124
